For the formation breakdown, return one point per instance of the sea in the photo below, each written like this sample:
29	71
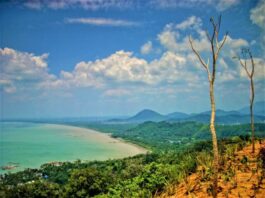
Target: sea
29	145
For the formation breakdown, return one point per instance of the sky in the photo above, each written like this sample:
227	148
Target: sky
78	58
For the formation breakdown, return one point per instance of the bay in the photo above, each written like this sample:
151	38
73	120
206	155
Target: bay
28	145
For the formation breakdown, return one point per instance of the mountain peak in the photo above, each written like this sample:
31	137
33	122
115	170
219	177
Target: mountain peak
147	115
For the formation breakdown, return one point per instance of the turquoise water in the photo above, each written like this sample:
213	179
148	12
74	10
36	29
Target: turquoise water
31	145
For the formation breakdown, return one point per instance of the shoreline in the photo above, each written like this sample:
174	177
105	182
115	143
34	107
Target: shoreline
106	137
120	147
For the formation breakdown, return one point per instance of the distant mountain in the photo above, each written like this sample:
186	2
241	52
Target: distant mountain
225	119
146	115
176	115
220	112
231	117
150	115
259	109
222	117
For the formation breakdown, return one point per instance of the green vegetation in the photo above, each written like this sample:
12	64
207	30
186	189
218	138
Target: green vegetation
166	135
177	149
139	176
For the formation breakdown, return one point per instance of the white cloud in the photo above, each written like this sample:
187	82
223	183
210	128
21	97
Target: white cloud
219	5
147	48
173	38
192	22
257	14
36	5
101	22
259	71
85	4
19	68
176	3
119	73
225	4
177	64
168	37
122	69
257	17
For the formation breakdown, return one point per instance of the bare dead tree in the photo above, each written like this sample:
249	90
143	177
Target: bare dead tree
250	73
216	47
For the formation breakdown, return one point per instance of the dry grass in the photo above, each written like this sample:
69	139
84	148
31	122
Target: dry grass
241	175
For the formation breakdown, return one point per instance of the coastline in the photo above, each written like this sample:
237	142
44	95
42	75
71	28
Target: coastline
111	148
103	137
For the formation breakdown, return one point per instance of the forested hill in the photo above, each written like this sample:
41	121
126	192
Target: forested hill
164	135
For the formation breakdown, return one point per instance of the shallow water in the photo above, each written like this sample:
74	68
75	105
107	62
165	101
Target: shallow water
31	145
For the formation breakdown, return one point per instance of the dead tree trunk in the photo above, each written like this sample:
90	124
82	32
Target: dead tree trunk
214	140
252	115
215	49
250	74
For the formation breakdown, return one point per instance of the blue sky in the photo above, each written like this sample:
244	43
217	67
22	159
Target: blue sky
96	58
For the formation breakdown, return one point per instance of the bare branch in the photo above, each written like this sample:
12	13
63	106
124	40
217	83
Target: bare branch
244	65
252	63
208	36
214	29
198	55
222	44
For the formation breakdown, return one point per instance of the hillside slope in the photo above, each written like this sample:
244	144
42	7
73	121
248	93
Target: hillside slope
242	174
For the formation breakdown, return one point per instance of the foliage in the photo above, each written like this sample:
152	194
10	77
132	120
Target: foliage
34	189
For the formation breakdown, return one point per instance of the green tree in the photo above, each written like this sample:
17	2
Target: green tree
88	182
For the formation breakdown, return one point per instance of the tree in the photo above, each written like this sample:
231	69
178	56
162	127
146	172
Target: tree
216	47
245	54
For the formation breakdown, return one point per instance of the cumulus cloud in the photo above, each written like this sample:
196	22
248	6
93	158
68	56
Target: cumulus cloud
192	22
122	67
21	68
225	4
174	38
147	48
257	14
119	73
168	37
259	71
101	22
257	17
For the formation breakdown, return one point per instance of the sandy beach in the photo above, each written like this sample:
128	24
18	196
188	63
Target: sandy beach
29	145
91	134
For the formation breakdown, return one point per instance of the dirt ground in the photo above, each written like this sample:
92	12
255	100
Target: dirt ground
240	176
